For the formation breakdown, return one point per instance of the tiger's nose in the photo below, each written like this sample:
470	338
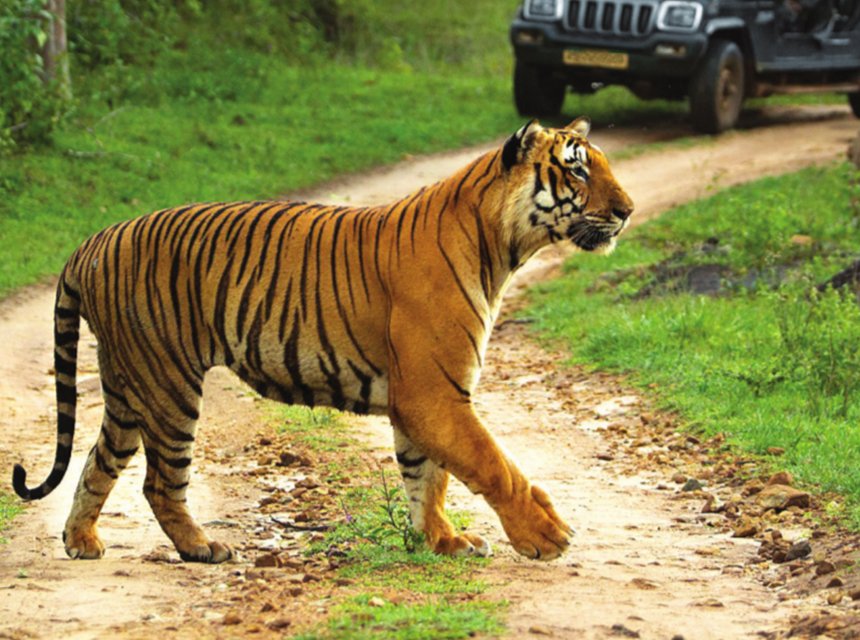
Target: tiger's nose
622	212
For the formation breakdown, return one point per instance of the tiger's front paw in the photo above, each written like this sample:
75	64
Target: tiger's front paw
535	529
83	544
467	544
210	552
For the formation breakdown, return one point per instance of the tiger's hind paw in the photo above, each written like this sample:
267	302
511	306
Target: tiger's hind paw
211	553
467	544
83	544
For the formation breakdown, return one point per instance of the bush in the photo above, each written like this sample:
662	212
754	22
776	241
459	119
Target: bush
108	32
30	108
820	334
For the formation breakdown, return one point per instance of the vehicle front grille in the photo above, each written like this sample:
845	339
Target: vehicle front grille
611	17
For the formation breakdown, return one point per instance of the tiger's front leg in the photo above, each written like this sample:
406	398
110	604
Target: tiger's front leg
430	404
426	484
455	440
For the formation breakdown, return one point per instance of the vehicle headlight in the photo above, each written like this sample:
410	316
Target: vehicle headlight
542	9
676	15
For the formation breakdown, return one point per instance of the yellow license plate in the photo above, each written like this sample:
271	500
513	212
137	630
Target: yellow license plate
596	58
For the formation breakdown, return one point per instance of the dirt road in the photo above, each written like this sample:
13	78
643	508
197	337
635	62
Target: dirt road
640	564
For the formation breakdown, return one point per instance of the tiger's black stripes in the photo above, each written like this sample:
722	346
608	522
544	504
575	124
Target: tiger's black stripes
461	390
404	460
66	332
373	309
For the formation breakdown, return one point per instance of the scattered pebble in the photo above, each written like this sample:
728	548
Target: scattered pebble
835	582
783	478
708	602
621	630
746	528
780	496
642	583
775	451
231	619
278	624
266	560
539	630
713	504
799	549
692	485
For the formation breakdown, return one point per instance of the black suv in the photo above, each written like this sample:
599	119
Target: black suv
714	52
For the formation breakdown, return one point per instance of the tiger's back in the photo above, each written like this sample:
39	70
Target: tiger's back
383	309
244	285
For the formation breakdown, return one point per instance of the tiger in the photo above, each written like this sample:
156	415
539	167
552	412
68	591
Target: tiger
382	309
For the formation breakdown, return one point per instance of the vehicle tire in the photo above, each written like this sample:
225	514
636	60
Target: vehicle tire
717	88
536	91
854	101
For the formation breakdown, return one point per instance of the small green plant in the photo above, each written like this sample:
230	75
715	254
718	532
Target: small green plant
391	525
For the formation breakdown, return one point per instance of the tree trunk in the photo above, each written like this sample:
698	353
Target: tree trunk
55	51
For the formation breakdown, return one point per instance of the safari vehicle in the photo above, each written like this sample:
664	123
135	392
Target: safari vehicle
715	53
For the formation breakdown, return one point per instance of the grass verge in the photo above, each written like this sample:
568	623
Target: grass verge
286	129
397	588
439	620
715	307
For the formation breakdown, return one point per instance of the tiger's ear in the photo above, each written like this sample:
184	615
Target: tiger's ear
519	143
581	126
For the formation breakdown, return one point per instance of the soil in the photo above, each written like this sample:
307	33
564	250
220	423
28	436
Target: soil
647	561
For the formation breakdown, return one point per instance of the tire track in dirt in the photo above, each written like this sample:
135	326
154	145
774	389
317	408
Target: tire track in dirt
133	586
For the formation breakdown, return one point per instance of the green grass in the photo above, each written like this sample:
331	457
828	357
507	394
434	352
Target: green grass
381	553
420	572
9	508
381	549
293	128
213	123
766	361
234	101
797	99
321	429
439	620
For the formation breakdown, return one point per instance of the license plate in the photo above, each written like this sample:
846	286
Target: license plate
596	58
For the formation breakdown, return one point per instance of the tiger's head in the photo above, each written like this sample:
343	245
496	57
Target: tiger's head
563	189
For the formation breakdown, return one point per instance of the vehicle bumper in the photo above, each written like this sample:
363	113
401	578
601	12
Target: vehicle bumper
544	44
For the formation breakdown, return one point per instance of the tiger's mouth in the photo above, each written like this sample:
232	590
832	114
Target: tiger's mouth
594	234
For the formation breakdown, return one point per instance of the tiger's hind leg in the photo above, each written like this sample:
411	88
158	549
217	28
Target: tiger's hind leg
168	442
426	484
117	443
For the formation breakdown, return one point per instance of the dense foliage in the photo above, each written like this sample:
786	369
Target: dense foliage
29	108
112	43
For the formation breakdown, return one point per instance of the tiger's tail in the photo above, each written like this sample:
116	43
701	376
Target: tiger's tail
66	331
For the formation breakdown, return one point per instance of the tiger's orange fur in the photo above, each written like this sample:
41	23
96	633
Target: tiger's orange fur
374	309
